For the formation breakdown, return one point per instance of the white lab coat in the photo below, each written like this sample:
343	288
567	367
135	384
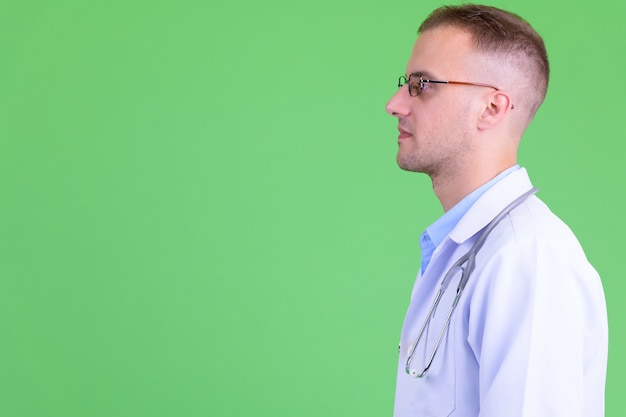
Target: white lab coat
529	337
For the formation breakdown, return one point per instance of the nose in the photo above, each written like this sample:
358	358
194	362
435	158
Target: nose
397	105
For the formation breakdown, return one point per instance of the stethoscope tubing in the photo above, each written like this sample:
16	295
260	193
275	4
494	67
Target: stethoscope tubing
470	258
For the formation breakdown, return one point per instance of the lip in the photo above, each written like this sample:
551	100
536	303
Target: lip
403	134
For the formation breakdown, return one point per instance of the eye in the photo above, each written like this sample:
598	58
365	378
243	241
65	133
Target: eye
415	87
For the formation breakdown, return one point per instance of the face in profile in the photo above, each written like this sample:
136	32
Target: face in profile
436	124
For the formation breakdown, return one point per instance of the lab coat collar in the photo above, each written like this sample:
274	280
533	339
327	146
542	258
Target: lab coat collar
492	202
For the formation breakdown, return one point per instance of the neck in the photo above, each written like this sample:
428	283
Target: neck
451	189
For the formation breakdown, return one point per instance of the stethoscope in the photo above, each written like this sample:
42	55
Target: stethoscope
469	258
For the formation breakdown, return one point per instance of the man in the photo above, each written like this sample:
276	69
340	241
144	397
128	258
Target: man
528	336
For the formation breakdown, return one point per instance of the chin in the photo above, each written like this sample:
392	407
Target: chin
407	166
410	163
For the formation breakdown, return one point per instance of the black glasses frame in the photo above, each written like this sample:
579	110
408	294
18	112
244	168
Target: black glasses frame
415	89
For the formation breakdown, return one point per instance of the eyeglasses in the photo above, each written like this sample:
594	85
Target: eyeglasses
416	81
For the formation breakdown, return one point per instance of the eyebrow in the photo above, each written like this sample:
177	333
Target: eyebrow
425	73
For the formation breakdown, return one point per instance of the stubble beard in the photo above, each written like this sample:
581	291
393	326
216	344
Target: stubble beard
437	163
413	160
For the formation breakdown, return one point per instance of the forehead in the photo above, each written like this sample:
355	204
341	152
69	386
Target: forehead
443	51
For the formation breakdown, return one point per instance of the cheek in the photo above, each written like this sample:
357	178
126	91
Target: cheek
440	130
450	116
431	122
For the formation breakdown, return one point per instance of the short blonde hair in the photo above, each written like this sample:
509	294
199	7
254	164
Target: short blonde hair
499	32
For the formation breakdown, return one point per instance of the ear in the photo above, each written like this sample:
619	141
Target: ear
498	105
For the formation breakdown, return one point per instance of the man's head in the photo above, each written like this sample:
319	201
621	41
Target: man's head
504	36
448	128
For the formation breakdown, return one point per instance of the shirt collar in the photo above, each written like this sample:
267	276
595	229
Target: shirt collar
441	228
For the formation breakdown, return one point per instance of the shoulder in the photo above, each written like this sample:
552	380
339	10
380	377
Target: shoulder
534	250
531	225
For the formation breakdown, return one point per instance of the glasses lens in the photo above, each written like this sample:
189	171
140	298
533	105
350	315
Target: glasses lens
415	84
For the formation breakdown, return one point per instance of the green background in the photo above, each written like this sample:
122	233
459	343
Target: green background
200	210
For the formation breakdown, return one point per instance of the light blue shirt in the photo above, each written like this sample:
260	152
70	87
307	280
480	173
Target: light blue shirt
436	232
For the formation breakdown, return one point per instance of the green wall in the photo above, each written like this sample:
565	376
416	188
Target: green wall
200	210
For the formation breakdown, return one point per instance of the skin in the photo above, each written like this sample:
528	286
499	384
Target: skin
461	136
